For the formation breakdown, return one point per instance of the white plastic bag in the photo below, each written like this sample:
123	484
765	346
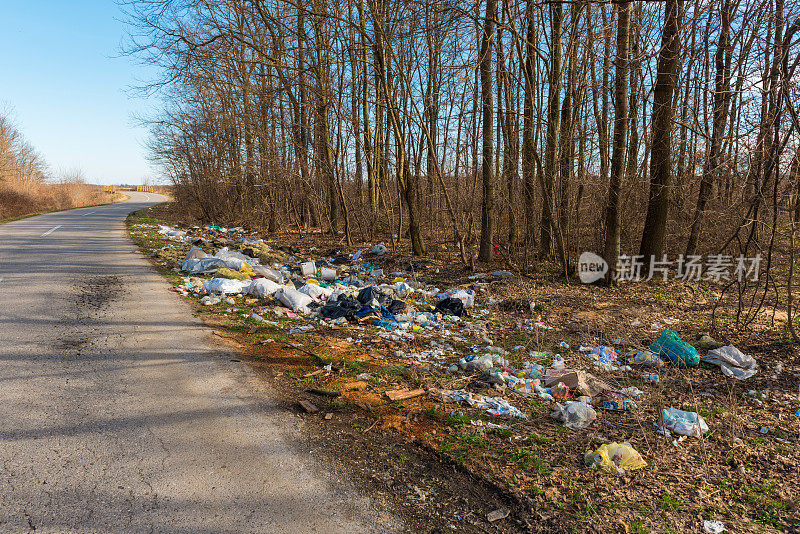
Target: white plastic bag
263	287
269	273
732	362
233	260
467	296
170	233
227	286
294	300
575	415
316	292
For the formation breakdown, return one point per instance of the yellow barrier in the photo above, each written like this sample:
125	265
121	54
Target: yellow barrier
110	188
144	188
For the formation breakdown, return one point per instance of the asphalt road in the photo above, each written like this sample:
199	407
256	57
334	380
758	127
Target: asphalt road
119	413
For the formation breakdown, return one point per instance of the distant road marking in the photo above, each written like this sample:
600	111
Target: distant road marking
85	214
50	231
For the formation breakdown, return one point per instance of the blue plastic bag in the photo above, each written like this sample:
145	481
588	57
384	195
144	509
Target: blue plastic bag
673	348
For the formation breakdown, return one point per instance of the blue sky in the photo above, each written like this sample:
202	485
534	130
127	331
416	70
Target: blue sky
63	79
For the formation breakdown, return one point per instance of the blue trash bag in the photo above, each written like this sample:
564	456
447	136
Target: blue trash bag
673	348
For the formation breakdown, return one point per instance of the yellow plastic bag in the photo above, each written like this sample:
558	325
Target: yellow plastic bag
615	456
230	273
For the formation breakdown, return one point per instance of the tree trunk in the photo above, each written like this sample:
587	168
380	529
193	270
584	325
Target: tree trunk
655	224
553	99
613	213
487	207
528	124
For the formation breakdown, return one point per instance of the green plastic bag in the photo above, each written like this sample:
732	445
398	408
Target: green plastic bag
673	348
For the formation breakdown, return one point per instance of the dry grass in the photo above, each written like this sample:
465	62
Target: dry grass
18	200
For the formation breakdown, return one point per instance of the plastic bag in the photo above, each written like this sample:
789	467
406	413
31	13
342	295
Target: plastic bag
226	286
467	296
169	232
195	253
230	273
315	292
672	347
396	307
614	457
341	305
493	405
575	415
370	293
450	306
402	289
732	362
245	269
684	423
233	260
379	249
263	287
202	265
605	355
294	300
645	358
269	273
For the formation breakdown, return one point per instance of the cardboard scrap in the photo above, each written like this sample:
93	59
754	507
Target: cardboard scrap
404	394
580	381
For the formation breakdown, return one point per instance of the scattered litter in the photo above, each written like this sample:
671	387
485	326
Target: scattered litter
732	362
574	414
493	405
672	347
684	423
615	457
379	249
714	527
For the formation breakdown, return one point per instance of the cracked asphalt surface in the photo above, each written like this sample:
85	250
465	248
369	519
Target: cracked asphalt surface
120	413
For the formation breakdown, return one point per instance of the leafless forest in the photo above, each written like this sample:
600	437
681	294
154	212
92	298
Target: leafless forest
517	130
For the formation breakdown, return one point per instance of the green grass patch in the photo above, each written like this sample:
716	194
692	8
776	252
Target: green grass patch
529	461
669	502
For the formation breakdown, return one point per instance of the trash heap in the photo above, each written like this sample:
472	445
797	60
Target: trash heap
441	330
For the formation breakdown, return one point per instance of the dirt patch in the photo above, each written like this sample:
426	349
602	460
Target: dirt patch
92	295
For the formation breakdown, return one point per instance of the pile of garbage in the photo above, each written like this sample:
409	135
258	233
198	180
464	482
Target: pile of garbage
341	289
